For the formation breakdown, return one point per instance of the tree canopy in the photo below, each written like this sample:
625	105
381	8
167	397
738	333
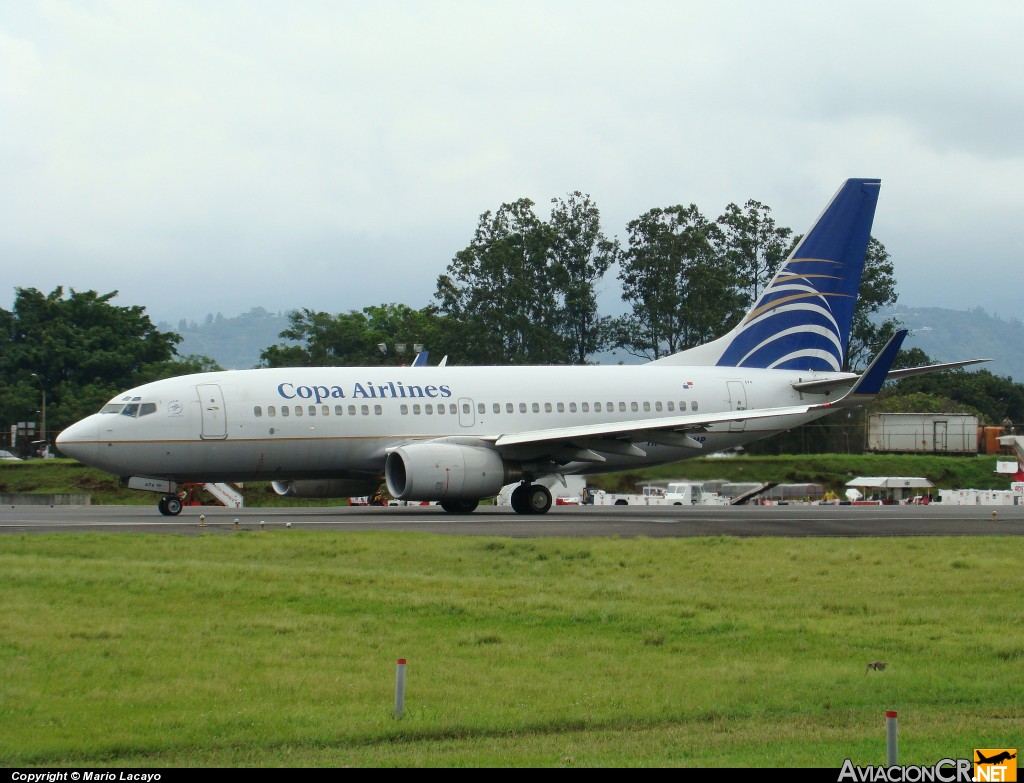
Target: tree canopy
80	349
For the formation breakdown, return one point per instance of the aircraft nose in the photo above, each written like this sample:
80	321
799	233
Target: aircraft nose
79	441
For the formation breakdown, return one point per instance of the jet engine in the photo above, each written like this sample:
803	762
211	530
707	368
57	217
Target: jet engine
444	471
325	488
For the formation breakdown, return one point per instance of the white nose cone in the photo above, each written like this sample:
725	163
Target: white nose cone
79	440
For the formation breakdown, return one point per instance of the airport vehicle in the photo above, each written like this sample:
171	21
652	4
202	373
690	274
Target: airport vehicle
459	434
675	494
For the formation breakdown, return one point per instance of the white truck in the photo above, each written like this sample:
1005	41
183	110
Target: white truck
677	493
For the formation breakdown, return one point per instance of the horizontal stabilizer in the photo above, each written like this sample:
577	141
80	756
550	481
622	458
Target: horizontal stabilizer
908	372
871	380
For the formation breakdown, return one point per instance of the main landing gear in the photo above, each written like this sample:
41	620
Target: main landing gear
169	505
531	499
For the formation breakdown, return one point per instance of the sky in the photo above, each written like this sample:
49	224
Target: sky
210	157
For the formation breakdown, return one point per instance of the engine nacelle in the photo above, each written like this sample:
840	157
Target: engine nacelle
325	488
444	471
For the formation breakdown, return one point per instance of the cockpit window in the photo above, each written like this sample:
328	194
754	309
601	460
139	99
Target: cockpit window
146	408
112	407
132	408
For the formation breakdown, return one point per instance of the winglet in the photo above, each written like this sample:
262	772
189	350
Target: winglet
421	359
871	380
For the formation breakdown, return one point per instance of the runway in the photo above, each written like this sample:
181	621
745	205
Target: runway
797	521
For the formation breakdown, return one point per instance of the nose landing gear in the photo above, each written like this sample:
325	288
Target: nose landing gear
169	505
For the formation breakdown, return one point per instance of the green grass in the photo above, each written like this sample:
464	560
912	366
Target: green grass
279	649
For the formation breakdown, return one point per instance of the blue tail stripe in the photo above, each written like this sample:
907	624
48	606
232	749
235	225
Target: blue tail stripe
817	286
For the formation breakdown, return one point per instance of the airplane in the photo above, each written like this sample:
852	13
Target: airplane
457	435
996	759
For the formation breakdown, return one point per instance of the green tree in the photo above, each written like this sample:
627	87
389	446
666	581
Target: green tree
81	349
682	288
753	244
581	255
353	339
501	292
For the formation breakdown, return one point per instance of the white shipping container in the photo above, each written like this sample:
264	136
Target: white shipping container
923	433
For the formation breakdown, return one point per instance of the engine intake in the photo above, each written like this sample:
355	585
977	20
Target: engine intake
444	471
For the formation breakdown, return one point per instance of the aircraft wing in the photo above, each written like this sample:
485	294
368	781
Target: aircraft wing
585	442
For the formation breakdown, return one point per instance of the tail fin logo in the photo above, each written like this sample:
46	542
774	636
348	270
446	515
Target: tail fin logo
793	325
802	320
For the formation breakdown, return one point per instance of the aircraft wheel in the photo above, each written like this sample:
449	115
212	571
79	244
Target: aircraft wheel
621	502
519	502
173	505
459	506
538	499
162	506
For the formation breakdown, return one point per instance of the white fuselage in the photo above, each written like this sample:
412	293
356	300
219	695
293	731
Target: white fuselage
331	422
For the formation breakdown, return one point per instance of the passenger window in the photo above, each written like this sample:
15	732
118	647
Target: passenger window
351	410
326	410
453	408
271	410
416	409
404	409
585	407
257	411
522	407
597	407
364	409
298	410
634	407
284	410
671	405
572	407
547	407
536	407
496	407
657	406
377	410
509	408
480	408
339	410
622	407
440	409
693	405
561	407
428	408
647	406
312	410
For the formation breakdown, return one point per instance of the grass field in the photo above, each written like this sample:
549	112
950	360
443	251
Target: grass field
279	649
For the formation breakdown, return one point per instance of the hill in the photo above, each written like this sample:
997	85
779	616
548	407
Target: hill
949	335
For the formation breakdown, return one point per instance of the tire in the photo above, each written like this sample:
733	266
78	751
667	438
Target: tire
621	502
173	505
162	506
518	500
538	499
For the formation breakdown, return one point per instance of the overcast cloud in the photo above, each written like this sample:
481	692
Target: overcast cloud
216	156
